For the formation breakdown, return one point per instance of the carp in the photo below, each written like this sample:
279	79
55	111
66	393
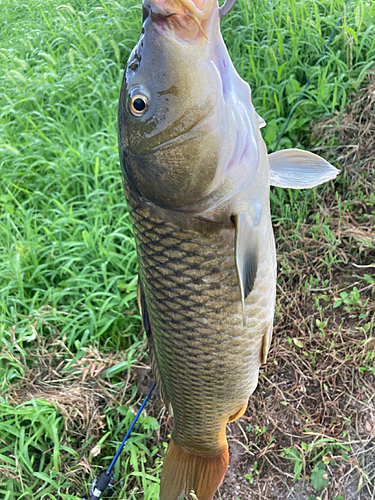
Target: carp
197	178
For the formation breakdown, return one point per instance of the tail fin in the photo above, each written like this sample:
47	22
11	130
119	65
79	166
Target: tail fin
183	472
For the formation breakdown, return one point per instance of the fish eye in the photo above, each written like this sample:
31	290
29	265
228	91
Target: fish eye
138	104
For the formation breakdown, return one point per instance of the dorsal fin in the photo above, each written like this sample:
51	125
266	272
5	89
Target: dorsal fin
151	346
246	251
143	308
298	169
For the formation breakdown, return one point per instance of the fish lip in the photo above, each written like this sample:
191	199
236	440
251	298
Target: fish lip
182	17
181	7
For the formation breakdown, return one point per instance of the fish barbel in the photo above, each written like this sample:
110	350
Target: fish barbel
197	177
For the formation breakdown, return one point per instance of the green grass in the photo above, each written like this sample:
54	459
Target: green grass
276	49
67	255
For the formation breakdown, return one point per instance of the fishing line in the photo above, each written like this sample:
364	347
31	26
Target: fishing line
308	81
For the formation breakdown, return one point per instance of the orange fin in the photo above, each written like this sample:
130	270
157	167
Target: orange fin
238	414
183	472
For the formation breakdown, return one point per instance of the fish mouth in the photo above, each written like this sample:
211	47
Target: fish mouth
188	19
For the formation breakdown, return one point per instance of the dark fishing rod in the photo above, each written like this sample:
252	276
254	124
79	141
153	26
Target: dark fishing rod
106	478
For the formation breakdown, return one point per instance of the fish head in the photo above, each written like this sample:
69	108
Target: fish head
170	124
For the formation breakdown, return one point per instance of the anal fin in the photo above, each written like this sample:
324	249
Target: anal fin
238	414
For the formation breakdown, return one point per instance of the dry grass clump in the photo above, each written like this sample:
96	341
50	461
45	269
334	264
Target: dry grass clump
353	132
85	400
77	386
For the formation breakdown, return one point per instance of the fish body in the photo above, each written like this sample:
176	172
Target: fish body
197	177
207	358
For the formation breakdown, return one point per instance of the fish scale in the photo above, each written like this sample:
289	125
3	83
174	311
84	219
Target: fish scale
208	361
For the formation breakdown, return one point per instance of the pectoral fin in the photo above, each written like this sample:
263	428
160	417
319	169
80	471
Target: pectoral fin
246	252
298	169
